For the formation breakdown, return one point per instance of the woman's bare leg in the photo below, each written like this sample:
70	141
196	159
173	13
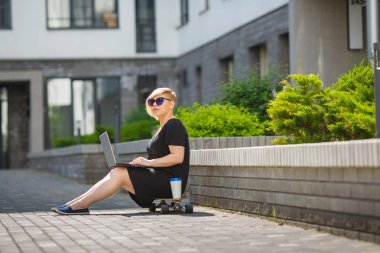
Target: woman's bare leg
93	188
108	186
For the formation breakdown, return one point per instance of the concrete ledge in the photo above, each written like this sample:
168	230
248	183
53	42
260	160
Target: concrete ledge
86	163
361	153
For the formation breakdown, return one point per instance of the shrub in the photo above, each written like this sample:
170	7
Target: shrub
252	91
298	111
307	113
351	105
139	125
138	130
60	142
219	120
84	139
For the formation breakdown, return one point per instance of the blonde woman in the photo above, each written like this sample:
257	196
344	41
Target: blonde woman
168	155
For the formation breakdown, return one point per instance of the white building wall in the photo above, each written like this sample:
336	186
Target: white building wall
29	37
222	17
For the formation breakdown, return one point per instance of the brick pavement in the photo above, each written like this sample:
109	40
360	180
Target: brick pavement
118	225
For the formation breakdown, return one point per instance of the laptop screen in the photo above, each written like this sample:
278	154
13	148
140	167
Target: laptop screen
107	148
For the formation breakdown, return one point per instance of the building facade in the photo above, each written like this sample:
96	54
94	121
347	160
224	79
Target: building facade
67	65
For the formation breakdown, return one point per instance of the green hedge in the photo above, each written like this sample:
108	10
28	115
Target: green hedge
307	113
139	125
219	120
84	139
253	91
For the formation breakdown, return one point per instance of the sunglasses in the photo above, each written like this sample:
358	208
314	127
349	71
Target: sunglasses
159	101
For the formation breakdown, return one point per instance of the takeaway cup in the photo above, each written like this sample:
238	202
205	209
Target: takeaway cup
176	185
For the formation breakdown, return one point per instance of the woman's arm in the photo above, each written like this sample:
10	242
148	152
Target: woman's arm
176	156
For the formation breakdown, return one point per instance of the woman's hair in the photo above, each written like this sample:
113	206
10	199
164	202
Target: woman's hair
170	94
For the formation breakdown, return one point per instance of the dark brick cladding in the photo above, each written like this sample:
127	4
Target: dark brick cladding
18	113
268	28
127	69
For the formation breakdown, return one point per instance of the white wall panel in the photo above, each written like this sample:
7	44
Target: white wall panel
30	38
222	17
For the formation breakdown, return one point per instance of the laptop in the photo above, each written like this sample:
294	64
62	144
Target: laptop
111	157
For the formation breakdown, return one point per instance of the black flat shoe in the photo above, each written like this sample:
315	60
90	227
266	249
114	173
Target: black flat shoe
67	210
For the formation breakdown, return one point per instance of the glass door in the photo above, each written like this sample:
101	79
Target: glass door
84	107
4	155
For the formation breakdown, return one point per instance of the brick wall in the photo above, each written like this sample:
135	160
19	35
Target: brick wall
18	124
333	186
267	29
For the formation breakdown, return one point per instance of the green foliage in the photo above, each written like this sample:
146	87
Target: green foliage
298	111
138	130
351	105
84	139
139	125
307	113
219	120
252	91
64	142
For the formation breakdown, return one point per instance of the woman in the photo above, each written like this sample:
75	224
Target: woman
168	155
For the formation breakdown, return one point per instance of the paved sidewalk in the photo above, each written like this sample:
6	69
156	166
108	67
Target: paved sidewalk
118	225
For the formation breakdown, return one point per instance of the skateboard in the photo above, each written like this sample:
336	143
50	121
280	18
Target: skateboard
167	205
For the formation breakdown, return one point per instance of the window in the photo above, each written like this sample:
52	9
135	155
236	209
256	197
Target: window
259	59
145	26
226	69
5	14
184	11
184	82
284	51
198	76
81	104
73	14
107	100
145	86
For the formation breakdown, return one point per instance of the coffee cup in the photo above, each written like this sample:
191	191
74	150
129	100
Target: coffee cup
176	185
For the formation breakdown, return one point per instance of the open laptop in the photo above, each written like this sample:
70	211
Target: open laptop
111	157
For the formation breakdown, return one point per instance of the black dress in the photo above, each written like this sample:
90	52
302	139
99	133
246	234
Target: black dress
152	184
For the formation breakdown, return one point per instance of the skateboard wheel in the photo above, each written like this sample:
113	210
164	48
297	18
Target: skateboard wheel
152	207
188	208
164	209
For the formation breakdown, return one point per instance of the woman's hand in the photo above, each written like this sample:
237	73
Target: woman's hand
141	161
176	156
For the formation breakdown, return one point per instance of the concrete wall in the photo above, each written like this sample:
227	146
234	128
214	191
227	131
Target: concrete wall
333	186
319	39
86	163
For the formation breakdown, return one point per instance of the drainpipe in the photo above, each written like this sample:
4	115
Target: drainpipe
372	25
376	47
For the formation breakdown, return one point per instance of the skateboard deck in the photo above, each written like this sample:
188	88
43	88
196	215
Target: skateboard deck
174	204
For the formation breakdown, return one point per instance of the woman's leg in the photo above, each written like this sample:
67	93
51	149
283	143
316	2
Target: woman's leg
93	188
109	185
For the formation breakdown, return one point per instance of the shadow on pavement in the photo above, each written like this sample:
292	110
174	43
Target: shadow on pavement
195	214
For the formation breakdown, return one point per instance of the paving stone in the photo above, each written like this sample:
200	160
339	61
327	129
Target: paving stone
118	225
